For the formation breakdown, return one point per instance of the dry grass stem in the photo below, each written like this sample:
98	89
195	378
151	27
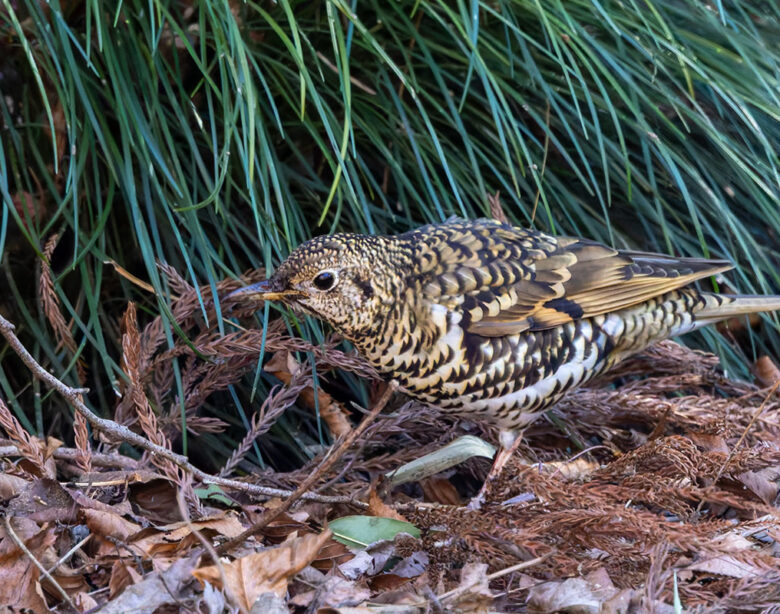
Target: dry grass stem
120	433
28	446
328	462
52	308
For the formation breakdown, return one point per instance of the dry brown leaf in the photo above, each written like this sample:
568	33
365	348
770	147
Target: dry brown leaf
473	595
729	565
109	524
766	371
44	500
124	573
156	500
331	594
437	489
109	528
20	589
267	571
570	471
284	366
331	555
10	486
278	530
72	580
387	582
710	442
377	507
171	539
157	589
85	602
577	595
762	483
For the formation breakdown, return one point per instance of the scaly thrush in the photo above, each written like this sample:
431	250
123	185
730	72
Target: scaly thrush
495	322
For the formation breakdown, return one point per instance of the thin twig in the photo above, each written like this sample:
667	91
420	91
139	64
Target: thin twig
331	459
17	540
71	454
575	457
206	545
750	424
69	553
524	565
742	437
119	432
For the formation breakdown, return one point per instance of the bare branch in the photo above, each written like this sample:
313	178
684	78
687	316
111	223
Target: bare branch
121	433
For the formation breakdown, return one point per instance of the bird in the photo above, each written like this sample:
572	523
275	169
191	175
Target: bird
495	322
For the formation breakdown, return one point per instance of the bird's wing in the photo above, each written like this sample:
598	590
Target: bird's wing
508	280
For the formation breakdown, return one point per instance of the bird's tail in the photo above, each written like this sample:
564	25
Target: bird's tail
719	307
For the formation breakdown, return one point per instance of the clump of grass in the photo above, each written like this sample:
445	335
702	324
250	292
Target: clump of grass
213	137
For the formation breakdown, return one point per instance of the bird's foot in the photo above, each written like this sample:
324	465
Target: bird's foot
510	441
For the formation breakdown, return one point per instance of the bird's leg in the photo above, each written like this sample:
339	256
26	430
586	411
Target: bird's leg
509	441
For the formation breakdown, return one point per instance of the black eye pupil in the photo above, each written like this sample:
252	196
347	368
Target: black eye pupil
325	280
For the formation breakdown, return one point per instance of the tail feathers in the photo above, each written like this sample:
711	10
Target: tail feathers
721	307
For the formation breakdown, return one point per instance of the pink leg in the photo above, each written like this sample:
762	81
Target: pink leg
510	441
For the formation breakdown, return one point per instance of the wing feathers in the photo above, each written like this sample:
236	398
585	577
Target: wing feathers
582	279
508	280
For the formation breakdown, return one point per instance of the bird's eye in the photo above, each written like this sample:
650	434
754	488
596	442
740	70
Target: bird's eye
325	280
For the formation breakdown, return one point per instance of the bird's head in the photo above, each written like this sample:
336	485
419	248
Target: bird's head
347	280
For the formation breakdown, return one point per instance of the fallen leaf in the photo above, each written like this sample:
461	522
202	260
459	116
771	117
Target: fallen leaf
284	366
473	594
576	595
762	483
20	589
359	532
440	490
267	571
44	500
387	582
729	565
766	371
157	589
450	455
155	500
578	470
10	486
377	507
108	528
269	603
331	555
124	573
173	538
108	524
337	593
278	529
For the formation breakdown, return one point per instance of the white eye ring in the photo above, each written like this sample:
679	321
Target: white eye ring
325	280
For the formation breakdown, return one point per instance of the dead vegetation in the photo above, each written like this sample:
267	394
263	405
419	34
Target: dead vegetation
657	485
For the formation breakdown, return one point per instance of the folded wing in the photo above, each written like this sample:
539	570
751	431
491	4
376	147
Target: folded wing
509	280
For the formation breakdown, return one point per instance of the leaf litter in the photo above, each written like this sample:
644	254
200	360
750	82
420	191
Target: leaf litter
656	485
